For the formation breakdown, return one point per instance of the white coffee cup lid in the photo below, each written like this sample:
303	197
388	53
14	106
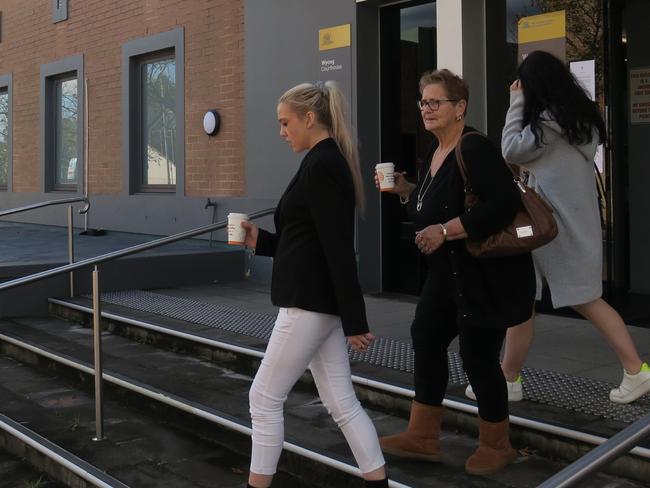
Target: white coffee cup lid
385	165
242	216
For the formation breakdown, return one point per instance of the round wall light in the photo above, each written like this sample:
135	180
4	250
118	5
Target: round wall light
211	122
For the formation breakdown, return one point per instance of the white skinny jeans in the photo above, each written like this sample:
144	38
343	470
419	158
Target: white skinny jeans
303	339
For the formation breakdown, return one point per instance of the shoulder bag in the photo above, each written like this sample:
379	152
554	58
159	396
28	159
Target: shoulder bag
532	227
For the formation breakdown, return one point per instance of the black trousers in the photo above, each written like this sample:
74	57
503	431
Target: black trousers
435	325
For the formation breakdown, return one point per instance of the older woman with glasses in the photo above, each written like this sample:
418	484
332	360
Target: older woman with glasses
475	299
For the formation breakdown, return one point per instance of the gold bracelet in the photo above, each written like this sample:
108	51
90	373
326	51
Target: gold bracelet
444	232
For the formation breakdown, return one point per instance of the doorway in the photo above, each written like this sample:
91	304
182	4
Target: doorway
628	103
407	49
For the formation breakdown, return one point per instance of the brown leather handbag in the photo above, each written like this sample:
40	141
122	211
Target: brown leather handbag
532	227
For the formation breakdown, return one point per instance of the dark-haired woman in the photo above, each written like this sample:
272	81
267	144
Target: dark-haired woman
552	130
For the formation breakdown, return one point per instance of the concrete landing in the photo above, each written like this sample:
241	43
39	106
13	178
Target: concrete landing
30	248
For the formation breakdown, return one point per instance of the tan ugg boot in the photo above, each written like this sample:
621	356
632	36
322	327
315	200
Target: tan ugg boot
494	450
421	439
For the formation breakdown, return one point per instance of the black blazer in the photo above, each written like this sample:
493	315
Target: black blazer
314	266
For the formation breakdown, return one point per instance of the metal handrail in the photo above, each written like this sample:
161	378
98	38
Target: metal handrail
95	261
61	201
125	252
49	203
617	445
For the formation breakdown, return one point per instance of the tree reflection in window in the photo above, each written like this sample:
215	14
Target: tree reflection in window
159	122
584	30
4	136
66	131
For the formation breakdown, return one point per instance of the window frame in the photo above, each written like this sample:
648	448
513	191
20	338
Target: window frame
134	54
6	85
51	73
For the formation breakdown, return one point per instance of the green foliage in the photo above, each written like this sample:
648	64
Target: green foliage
37	483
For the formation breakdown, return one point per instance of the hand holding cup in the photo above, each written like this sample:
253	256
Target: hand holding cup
252	231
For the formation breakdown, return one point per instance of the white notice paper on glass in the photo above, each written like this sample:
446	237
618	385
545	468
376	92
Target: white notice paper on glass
585	73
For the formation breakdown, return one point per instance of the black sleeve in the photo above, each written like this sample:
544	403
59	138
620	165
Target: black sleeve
492	182
266	243
332	209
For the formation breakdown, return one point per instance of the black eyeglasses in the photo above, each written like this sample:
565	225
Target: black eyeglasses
433	104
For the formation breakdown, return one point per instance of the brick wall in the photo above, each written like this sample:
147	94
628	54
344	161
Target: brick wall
214	78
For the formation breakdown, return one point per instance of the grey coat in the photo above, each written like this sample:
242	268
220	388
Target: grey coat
563	174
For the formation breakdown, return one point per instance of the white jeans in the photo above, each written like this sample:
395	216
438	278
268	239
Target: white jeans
302	339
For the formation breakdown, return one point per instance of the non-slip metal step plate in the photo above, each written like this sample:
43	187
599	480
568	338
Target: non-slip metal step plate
547	387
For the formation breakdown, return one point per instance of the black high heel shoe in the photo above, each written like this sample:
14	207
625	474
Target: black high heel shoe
376	483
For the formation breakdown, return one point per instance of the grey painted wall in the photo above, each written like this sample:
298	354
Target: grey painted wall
282	51
638	56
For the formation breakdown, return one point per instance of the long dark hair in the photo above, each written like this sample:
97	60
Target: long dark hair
549	86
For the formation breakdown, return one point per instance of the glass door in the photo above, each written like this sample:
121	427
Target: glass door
407	49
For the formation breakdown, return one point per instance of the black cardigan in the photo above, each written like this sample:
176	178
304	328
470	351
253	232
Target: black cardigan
489	292
314	266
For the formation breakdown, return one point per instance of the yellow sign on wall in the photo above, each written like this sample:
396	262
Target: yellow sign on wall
334	37
541	27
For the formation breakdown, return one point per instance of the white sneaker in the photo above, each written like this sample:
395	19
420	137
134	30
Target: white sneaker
515	391
633	386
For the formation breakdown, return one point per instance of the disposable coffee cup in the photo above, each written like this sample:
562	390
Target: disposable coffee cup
386	176
236	233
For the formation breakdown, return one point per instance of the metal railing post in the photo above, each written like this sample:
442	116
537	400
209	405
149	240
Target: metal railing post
71	248
97	349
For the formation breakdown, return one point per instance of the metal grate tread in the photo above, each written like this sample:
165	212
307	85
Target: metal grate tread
546	387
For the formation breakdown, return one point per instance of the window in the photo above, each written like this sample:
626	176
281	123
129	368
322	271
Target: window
62	124
157	144
5	132
153	108
59	10
66	128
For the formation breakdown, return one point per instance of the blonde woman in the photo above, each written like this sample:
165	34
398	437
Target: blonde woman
314	283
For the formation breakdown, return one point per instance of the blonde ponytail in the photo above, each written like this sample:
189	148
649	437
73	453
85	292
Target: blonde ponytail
328	103
343	137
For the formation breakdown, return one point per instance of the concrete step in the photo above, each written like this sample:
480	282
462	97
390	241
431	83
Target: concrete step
137	452
193	393
565	432
16	472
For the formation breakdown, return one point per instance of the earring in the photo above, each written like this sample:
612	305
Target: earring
458	117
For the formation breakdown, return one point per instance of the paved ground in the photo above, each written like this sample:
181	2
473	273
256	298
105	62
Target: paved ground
23	244
562	344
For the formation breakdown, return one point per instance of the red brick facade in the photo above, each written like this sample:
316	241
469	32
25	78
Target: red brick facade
214	78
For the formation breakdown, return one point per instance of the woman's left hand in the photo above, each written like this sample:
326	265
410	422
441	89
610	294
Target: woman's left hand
360	342
429	239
